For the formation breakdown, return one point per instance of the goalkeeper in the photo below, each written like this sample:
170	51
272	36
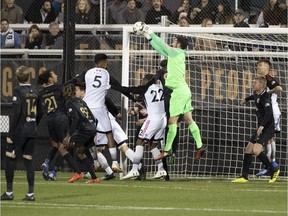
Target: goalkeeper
180	102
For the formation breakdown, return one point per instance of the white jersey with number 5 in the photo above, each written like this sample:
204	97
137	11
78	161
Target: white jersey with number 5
97	82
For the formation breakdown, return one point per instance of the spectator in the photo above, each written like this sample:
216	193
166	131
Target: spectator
84	13
34	38
95	7
205	9
9	38
224	13
56	5
239	18
144	5
184	11
131	14
203	42
60	17
54	39
44	15
115	10
12	12
283	18
270	13
153	16
183	22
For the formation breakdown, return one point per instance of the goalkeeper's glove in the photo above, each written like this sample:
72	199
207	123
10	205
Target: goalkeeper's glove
171	159
147	31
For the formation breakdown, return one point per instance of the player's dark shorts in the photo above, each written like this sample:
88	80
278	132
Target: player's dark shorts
84	138
21	146
57	125
266	135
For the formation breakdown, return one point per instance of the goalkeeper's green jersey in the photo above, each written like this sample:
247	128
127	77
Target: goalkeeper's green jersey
176	62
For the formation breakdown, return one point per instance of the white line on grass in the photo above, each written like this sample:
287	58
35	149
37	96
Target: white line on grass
109	207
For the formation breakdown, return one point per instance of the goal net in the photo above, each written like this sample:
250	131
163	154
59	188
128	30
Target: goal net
221	64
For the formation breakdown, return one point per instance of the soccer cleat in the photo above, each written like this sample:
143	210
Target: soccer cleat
45	173
240	180
29	198
76	177
130	175
93	181
53	175
142	174
262	172
199	153
116	167
5	196
160	174
167	177
87	176
274	176
109	177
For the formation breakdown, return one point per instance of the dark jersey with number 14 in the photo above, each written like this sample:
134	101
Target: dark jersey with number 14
26	112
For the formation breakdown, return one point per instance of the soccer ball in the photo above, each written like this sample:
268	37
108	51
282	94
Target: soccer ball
138	28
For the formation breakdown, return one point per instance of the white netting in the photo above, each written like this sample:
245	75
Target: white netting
218	80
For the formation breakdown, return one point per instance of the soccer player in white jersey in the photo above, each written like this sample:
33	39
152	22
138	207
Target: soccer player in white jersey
97	82
153	128
274	88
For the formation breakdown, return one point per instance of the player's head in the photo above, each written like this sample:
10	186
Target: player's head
259	83
146	78
69	91
47	77
80	90
23	74
180	42
263	66
101	60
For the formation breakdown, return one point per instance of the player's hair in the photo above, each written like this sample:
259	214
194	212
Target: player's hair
81	85
163	63
44	77
2	20
262	79
183	41
69	91
148	76
265	61
22	74
100	57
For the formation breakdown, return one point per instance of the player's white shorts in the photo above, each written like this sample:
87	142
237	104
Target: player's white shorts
277	118
119	135
101	114
153	129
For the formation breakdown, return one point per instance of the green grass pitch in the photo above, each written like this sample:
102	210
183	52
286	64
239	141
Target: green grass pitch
199	197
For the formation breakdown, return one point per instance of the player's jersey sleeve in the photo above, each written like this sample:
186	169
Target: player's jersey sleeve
73	116
271	82
16	101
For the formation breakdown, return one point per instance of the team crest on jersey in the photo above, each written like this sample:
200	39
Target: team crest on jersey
267	104
70	110
258	99
14	98
273	82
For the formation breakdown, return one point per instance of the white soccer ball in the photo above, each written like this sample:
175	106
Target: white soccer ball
138	28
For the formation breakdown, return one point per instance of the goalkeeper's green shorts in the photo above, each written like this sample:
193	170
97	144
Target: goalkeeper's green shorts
180	101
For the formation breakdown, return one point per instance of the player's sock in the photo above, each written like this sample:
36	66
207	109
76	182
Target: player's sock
172	130
68	157
264	159
130	154
175	142
113	153
137	157
9	173
52	152
104	163
273	155
269	151
194	129
89	168
246	165
30	174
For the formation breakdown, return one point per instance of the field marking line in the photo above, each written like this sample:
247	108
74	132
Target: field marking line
110	207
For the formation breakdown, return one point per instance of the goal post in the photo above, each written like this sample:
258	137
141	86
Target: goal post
220	73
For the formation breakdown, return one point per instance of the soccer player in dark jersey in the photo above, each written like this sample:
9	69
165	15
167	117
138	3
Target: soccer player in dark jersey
274	88
82	128
22	132
263	133
54	106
